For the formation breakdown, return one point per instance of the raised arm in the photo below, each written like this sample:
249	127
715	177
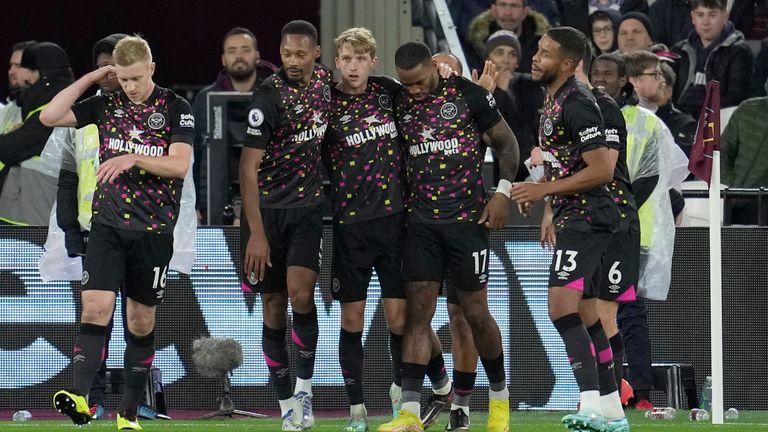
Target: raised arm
59	109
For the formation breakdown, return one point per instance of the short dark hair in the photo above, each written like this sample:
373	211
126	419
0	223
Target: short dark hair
525	2
635	62
586	57
615	58
709	4
300	27
411	54
572	42
240	31
668	73
21	46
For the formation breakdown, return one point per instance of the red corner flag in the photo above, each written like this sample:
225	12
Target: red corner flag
707	134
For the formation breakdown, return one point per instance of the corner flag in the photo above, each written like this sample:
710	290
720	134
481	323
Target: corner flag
707	134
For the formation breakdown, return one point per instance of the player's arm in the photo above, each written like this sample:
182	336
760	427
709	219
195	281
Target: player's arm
582	117
257	250
175	165
263	118
499	136
59	110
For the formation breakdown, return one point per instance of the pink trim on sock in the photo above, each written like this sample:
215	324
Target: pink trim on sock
570	359
245	288
605	356
592	349
629	295
103	353
577	285
76	349
295	338
149	360
271	363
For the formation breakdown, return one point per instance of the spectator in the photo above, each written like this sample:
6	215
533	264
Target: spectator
671	20
10	112
576	12
27	192
636	33
518	97
761	70
513	15
243	71
603	29
715	50
682	125
744	160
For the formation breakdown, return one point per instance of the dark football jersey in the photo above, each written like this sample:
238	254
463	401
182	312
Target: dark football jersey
364	155
138	200
444	150
616	138
570	125
288	121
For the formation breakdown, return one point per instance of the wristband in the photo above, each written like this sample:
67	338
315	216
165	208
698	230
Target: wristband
504	187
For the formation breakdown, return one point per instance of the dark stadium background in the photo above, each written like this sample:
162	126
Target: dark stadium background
185	36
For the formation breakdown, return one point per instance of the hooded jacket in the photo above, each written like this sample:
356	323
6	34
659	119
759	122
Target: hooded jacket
534	26
729	61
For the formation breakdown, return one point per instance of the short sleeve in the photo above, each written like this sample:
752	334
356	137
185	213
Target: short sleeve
582	118
481	104
263	118
89	110
182	121
613	122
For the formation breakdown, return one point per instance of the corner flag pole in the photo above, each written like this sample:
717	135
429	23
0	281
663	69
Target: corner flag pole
716	290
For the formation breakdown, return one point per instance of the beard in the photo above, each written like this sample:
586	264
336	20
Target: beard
240	71
547	77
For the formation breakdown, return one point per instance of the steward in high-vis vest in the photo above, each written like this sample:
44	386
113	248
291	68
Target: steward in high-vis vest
28	186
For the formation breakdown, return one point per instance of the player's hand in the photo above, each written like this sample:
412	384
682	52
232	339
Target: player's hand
548	238
536	158
445	71
102	74
495	213
528	192
525	209
110	169
256	258
488	79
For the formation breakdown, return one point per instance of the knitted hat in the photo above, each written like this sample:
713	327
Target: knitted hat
502	37
643	18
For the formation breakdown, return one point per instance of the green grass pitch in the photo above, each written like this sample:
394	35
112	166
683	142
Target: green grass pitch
519	422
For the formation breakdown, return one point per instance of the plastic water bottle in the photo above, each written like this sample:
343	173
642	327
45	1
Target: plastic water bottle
22	415
732	414
706	395
698	414
667	413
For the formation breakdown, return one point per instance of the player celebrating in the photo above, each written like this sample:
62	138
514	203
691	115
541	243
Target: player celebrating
445	124
578	165
282	224
365	163
146	134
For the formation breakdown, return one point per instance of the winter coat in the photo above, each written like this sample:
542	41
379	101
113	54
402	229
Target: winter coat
534	26
729	62
744	151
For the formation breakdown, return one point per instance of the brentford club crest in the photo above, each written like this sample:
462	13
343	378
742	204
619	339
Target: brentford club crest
548	126
448	111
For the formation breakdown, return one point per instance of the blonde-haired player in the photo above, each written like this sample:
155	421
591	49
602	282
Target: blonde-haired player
146	134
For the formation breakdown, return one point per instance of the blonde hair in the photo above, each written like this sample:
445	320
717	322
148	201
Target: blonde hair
360	38
130	50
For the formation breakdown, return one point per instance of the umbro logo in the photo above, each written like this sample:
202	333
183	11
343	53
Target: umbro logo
563	274
346	119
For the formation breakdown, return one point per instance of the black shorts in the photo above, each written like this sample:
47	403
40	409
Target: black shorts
431	250
135	260
577	257
295	238
620	268
358	249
